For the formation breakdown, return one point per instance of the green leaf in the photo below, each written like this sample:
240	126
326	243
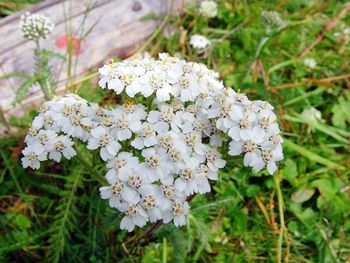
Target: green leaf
290	172
14	75
327	185
341	112
22	91
23	222
253	190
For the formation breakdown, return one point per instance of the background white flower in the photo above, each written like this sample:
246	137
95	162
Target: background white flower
208	9
35	26
199	41
310	63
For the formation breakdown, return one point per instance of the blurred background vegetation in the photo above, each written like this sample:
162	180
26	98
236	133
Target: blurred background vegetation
301	65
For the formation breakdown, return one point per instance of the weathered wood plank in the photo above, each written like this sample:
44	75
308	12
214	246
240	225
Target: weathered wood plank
118	31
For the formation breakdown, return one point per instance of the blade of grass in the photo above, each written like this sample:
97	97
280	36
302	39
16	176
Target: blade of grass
304	96
281	213
333	132
11	171
165	252
311	155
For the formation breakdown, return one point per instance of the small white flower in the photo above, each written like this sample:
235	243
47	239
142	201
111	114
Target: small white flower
164	119
214	161
178	212
194	141
208	9
155	81
33	155
119	195
310	63
123	163
46	138
125	125
199	41
49	120
248	146
156	166
61	145
270	157
312	114
241	124
31	135
190	181
147	137
101	138
272	18
188	87
153	202
135	215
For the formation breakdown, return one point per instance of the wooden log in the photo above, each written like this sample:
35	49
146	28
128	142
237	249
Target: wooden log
118	30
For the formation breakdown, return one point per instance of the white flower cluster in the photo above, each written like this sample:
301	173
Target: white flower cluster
161	151
208	9
343	34
272	18
35	26
199	41
310	63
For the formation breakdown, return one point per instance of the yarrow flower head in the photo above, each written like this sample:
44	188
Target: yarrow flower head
159	153
35	26
208	9
199	41
272	19
312	114
310	63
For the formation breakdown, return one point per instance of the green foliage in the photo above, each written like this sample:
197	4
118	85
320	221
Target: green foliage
66	214
22	91
9	6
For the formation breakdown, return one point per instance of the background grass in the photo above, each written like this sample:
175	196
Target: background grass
301	214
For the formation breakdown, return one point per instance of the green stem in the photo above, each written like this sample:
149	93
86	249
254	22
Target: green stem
281	214
42	86
11	172
261	45
154	35
90	168
4	120
164	258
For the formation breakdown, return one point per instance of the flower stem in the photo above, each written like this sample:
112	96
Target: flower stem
150	232
42	85
93	172
281	213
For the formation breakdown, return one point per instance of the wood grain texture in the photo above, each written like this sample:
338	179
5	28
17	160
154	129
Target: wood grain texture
118	31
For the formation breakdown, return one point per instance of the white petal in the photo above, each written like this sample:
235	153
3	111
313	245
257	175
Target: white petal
93	144
138	143
124	134
180	184
127	224
98	132
55	155
113	147
153	116
235	148
116	85
271	167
